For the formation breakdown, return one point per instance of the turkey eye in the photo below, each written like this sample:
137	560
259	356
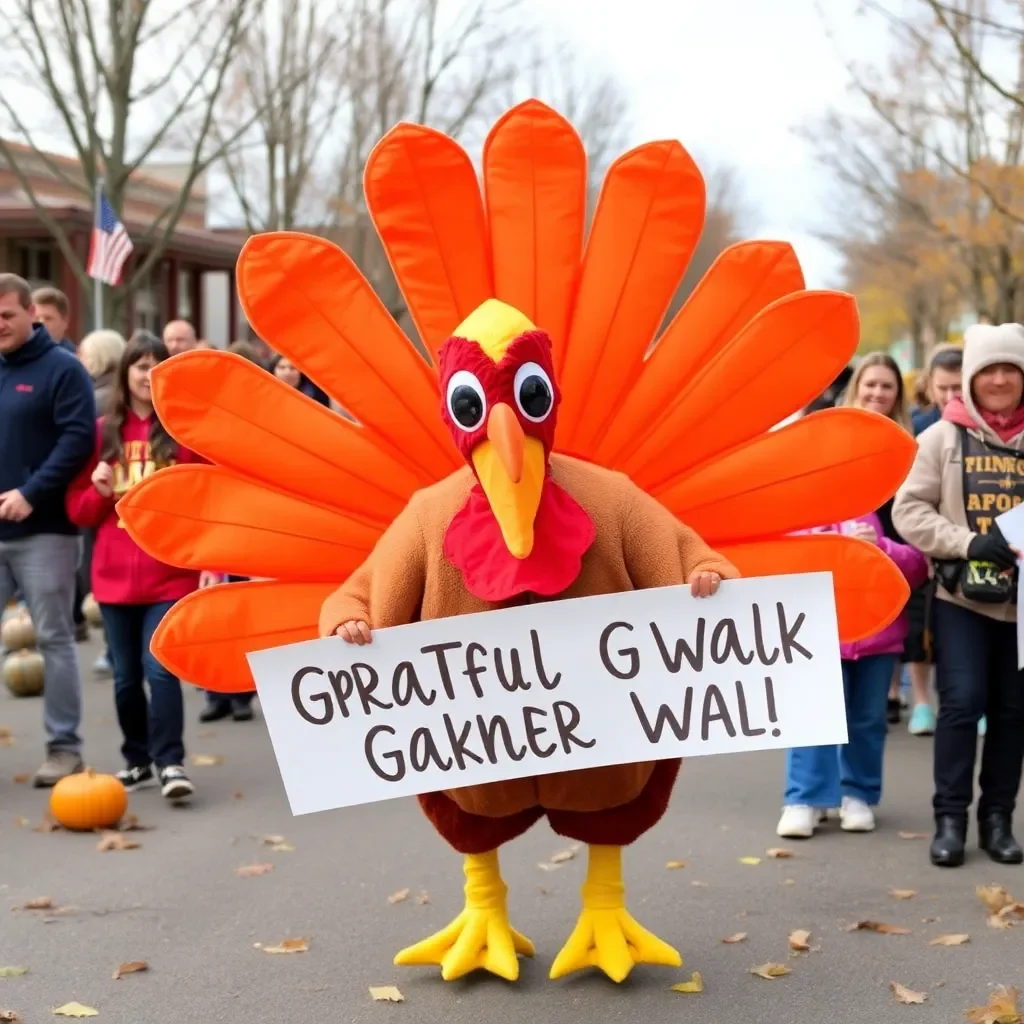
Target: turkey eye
534	394
466	402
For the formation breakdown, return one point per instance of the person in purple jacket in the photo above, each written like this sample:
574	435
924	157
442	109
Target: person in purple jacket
849	777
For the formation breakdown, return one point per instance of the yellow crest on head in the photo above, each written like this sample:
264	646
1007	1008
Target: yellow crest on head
494	325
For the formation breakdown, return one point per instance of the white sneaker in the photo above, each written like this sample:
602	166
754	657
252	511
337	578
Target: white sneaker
856	816
798	821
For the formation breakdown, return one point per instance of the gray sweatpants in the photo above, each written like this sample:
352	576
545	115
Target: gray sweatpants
43	568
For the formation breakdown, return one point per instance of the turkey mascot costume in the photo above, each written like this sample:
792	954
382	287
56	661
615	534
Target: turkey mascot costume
537	448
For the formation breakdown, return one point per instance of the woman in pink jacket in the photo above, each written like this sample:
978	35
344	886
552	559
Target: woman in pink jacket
850	776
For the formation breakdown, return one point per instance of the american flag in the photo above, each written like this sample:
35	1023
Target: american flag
110	245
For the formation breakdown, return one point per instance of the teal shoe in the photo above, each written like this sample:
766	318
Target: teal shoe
922	721
982	727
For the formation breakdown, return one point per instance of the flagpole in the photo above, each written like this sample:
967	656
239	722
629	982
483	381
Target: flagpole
97	284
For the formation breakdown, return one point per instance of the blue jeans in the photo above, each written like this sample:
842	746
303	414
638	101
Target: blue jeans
153	728
43	567
822	776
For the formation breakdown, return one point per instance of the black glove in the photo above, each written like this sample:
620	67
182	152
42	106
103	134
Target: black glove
992	547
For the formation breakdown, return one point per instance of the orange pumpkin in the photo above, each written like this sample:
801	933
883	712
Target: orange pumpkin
88	800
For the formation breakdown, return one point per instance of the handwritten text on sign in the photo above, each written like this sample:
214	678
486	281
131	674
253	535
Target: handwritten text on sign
553	687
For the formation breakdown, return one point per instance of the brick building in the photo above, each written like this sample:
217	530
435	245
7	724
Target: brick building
193	280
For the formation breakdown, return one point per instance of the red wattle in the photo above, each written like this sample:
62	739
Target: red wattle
562	533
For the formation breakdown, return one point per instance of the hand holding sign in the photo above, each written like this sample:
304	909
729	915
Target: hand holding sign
704	584
354	632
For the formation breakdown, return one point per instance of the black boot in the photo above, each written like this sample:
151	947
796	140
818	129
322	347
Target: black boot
949	845
214	712
995	835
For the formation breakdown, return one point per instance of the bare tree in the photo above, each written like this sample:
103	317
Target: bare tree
122	83
288	80
447	66
930	170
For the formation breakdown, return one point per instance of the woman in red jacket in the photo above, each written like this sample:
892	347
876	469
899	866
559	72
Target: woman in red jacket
135	591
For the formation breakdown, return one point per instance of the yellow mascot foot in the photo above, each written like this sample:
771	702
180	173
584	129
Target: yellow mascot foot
606	935
480	938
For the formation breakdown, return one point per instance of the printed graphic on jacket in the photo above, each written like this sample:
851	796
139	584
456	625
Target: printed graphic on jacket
993	481
140	464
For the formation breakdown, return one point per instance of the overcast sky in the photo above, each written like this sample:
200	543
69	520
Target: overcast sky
730	79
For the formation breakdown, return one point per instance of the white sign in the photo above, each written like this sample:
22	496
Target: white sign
1011	525
553	687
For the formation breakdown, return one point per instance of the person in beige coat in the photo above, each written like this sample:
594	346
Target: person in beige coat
969	469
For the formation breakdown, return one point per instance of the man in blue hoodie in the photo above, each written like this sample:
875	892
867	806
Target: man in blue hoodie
47	434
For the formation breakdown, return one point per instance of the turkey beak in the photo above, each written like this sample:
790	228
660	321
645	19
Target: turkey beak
511	469
506	434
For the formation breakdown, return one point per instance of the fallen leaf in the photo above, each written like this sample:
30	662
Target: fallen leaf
930	920
798	941
789	881
20	777
6	738
22	822
905	995
995	897
731	940
1000	1009
913	835
238	794
115	841
752	861
288	946
39	903
398	897
283	848
950	940
878	926
675	865
9	1017
253	870
423	898
771	971
132	967
386	994
206	734
75	1010
46	826
695	984
1011	910
562	856
271	840
12	972
207	760
999	921
779	853
130	823
700	885
902	894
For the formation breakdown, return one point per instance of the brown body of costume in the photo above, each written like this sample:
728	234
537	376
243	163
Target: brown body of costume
407	579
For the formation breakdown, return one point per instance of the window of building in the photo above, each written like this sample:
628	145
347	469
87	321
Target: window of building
146	305
35	263
185	294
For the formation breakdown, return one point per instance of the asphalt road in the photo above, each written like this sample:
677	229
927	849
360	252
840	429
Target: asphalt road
177	902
